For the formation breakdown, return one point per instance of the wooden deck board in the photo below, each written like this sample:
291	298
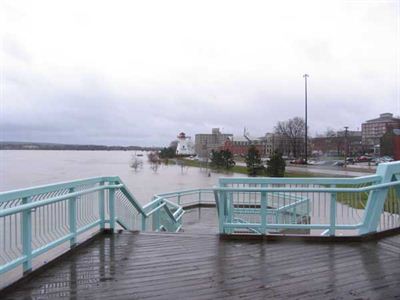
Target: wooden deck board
202	266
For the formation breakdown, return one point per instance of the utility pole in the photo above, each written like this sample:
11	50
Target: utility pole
305	137
346	144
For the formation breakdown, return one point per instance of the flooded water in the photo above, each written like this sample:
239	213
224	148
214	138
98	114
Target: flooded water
21	169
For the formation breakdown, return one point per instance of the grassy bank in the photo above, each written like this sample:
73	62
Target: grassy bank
359	201
242	169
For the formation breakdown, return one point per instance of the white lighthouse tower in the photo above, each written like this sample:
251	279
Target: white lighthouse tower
185	146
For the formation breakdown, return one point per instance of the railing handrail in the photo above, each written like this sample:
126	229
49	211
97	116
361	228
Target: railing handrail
44	202
313	180
184	192
296	189
31	191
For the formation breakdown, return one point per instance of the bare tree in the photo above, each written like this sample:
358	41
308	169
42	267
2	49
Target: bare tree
154	167
292	132
136	163
154	160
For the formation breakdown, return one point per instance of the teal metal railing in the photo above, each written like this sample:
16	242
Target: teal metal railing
314	206
36	220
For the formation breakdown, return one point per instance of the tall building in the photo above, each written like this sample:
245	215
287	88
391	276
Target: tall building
206	142
373	130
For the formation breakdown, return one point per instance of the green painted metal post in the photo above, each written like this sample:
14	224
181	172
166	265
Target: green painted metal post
292	216
111	207
376	199
199	197
27	237
101	207
332	213
156	218
229	210
72	218
143	223
263	211
221	213
179	199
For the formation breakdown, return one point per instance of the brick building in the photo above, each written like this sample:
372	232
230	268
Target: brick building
240	145
373	130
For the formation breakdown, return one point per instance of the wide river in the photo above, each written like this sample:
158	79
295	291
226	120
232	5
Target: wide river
26	168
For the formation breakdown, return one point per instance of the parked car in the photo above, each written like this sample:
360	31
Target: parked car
387	158
350	160
299	161
383	159
363	158
338	164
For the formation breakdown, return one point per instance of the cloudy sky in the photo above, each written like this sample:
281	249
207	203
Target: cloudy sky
138	72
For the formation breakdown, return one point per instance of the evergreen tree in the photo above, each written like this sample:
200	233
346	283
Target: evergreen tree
168	153
227	159
253	161
276	165
222	159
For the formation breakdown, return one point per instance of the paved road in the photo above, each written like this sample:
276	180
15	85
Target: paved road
339	171
324	171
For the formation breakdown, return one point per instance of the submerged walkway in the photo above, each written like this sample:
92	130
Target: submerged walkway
202	266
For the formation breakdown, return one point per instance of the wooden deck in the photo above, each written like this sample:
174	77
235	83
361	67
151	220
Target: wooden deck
203	266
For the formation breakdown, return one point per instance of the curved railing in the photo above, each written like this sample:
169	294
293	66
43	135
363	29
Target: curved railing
312	206
38	220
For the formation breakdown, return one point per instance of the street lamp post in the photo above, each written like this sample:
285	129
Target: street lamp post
305	135
346	145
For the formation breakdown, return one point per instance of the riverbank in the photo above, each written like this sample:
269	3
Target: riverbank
243	169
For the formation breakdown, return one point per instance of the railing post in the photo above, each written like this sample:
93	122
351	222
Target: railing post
332	213
111	207
143	222
230	210
156	218
377	197
263	211
199	197
179	199
72	218
221	213
27	237
101	207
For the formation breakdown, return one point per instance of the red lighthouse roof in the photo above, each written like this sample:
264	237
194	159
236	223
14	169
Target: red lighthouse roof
181	135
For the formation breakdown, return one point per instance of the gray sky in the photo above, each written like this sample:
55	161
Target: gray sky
139	72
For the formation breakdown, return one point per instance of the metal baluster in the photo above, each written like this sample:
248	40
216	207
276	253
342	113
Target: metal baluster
72	218
27	237
101	207
111	203
332	213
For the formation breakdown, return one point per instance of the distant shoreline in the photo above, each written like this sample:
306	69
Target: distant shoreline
71	147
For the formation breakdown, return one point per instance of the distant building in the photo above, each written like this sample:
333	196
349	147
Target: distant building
205	142
335	145
185	146
282	144
390	144
240	145
396	144
373	130
271	143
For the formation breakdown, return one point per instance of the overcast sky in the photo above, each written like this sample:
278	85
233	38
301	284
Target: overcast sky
139	72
